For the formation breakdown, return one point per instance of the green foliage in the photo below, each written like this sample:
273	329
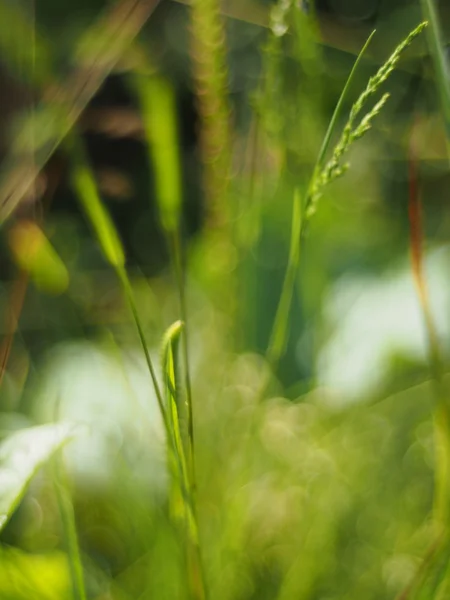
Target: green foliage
277	499
354	130
21	455
24	576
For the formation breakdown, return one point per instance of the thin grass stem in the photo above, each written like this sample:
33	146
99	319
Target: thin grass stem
67	515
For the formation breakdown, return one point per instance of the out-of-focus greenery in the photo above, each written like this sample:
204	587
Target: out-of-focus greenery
209	466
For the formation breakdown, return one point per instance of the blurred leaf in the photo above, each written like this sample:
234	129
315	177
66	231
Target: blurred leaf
21	455
40	577
159	111
35	255
86	188
122	24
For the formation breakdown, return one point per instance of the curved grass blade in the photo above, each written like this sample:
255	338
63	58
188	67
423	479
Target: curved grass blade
170	368
21	455
182	502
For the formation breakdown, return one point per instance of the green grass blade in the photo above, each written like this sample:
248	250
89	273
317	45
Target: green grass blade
170	369
435	42
278	336
67	515
182	500
158	109
21	455
86	188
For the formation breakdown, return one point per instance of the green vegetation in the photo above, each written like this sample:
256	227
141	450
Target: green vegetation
236	426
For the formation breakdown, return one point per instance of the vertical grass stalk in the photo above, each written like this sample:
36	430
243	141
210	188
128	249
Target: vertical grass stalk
67	515
208	51
84	183
158	108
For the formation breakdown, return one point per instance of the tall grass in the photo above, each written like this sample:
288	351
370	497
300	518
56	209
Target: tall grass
258	533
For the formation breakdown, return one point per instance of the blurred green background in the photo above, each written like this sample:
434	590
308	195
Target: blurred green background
314	474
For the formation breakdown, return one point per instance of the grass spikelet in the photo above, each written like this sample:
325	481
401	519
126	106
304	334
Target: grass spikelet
211	74
353	129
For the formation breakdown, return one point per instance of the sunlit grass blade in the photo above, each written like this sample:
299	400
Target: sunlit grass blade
86	188
158	108
182	499
21	455
170	369
84	183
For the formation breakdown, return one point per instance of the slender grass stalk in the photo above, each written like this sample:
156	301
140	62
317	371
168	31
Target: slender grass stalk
441	417
278	335
157	101
436	46
85	186
182	497
65	507
178	267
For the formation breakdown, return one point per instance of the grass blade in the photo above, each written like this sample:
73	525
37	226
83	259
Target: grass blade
67	515
435	42
278	336
182	498
157	101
